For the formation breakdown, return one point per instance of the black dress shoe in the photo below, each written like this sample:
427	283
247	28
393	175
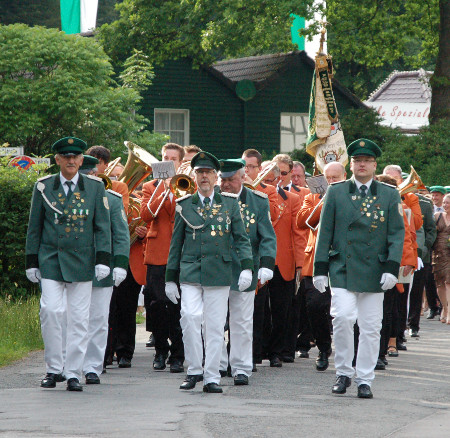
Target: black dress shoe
92	379
380	365
240	379
212	388
49	381
73	384
176	366
190	381
341	385
159	363
276	362
287	359
401	347
432	314
124	362
151	341
384	360
364	391
304	354
254	369
322	360
414	333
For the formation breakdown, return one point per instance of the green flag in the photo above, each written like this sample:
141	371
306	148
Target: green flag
70	16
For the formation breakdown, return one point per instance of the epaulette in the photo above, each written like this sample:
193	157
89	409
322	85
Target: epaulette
183	198
337	182
44	177
261	194
229	195
428	201
96	178
114	193
389	185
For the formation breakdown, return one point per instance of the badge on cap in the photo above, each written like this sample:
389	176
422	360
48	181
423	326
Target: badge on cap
202	155
362	144
70	141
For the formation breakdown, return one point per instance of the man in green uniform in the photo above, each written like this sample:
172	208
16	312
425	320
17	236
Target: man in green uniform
102	290
359	247
255	213
207	225
69	212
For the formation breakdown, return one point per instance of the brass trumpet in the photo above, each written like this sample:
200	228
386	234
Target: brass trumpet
106	181
180	185
260	178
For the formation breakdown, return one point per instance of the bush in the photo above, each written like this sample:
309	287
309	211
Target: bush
16	187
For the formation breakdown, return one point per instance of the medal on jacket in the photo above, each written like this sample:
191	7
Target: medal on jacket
213	231
219	227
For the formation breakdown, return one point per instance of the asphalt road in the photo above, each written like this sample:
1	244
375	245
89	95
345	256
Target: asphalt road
411	399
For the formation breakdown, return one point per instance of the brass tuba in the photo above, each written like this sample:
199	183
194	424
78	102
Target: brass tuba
412	183
106	181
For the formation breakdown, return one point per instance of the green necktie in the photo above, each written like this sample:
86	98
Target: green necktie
69	185
363	189
206	203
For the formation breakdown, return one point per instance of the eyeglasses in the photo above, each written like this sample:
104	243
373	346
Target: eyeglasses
363	160
284	173
269	181
251	166
205	171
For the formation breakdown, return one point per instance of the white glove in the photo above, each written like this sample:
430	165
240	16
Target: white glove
119	274
419	264
172	292
245	279
264	275
320	283
101	272
33	274
388	281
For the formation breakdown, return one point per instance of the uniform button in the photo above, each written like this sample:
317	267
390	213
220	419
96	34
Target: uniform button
348	256
217	244
349	228
203	231
203	256
203	243
368	243
76	237
349	242
76	250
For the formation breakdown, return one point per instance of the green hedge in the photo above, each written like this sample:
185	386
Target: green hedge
16	187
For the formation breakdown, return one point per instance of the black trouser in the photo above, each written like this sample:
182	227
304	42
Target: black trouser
390	299
281	293
164	314
122	318
415	299
295	321
318	313
148	320
402	306
261	298
430	288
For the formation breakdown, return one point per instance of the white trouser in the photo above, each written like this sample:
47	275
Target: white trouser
241	305
207	304
346	308
51	313
98	330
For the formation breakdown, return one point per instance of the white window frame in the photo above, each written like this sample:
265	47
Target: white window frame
169	111
290	114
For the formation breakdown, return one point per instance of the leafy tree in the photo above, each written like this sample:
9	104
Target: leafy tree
53	85
204	30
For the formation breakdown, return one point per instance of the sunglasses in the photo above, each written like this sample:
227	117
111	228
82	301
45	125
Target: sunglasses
284	173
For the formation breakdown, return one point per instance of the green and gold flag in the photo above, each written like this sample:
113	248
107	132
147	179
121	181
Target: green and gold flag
325	137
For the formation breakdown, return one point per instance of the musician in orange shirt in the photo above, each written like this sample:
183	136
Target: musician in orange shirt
317	304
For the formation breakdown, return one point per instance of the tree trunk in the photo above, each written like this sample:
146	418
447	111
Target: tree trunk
440	81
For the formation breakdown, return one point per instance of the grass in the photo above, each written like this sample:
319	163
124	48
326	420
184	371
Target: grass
20	328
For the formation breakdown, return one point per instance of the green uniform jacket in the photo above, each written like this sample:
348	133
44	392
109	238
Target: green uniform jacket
62	245
255	213
359	239
120	238
429	229
203	254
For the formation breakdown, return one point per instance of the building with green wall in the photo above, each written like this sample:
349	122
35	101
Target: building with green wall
256	102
